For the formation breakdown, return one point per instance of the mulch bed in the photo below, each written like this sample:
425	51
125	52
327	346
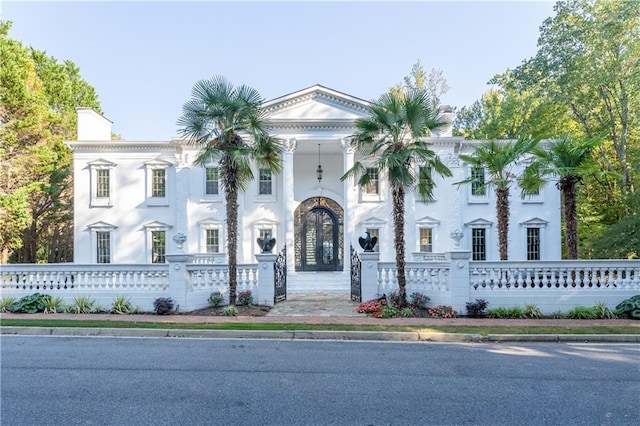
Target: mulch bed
243	311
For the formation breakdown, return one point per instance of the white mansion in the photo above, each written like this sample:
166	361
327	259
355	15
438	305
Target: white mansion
132	198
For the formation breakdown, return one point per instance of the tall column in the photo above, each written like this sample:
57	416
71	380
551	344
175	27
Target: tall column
350	194
182	201
288	200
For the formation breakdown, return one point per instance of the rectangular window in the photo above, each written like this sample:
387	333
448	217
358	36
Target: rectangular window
158	246
265	182
264	233
158	183
103	246
426	240
479	244
477	185
102	189
425	182
373	187
211	181
213	241
375	232
533	243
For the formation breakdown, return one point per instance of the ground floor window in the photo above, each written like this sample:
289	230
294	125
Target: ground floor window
158	246
103	247
426	240
212	240
479	244
375	232
533	243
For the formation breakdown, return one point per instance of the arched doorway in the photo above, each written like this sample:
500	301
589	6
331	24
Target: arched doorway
319	245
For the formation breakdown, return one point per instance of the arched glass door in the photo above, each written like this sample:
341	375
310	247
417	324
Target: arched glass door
320	240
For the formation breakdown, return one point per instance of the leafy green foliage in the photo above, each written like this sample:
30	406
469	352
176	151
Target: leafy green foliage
245	298
602	311
82	305
122	306
163	305
216	299
582	312
230	311
419	300
30	304
629	307
531	310
54	305
5	303
476	309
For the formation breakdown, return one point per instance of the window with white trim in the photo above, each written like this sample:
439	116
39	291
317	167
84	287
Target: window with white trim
375	232
477	184
157	175
212	238
101	183
211	181
478	244
101	242
533	243
425	180
158	246
159	183
265	182
373	186
426	240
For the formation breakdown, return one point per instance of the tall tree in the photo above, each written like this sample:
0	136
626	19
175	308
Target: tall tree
390	140
567	160
588	60
499	160
433	83
229	126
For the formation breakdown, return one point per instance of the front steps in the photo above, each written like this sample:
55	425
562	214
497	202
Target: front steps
318	282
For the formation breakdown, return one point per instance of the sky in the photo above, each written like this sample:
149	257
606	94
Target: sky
144	57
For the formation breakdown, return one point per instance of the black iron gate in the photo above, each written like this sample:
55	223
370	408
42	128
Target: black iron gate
280	276
356	277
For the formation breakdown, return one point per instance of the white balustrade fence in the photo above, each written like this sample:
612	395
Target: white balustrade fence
430	279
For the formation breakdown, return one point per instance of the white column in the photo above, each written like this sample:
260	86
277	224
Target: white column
181	197
350	197
288	201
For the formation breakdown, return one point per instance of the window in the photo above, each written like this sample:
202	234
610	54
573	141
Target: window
158	246
533	243
426	240
425	182
477	184
478	244
158	183
212	240
375	232
373	187
265	182
211	185
264	233
104	183
103	247
100	182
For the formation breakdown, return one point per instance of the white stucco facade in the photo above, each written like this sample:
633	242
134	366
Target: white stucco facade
129	193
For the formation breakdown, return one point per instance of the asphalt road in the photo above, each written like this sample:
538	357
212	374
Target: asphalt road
140	381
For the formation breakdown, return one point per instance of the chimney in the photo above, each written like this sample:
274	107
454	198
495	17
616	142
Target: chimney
445	112
92	126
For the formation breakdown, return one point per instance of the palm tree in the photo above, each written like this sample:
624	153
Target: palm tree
389	140
498	159
231	128
567	160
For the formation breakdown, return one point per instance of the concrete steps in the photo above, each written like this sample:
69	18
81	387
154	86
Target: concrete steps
318	282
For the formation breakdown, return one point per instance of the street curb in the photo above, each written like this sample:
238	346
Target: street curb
392	336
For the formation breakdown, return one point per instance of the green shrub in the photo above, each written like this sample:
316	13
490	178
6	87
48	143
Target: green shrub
500	312
122	306
216	299
559	315
387	311
629	307
230	311
531	310
516	312
419	300
582	312
406	313
82	305
53	305
602	311
30	304
245	298
476	309
163	305
5	303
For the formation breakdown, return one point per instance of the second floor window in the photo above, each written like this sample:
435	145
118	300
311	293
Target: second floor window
103	182
373	187
211	181
265	182
477	185
425	180
479	244
213	241
158	183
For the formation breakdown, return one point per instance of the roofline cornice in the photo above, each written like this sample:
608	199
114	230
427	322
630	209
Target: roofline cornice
112	146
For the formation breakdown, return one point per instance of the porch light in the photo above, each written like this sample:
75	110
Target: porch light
319	169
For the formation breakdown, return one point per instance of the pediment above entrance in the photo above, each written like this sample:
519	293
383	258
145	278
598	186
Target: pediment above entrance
315	104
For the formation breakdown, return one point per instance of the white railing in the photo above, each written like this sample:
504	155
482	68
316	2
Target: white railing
594	275
67	277
212	277
209	258
420	277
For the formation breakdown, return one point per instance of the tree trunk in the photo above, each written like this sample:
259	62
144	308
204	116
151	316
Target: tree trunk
231	194
398	240
569	203
502	214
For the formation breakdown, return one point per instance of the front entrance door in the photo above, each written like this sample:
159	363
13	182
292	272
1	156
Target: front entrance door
320	240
